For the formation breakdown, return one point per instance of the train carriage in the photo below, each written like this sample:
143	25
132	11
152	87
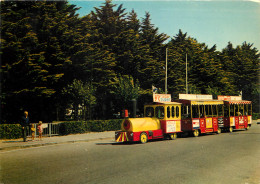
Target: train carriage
201	114
192	113
238	113
162	120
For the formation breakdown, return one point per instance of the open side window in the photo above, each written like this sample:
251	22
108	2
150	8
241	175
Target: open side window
159	112
149	112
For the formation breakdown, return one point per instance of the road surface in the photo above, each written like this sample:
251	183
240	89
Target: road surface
227	158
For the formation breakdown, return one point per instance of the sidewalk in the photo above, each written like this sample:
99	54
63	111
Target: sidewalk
10	144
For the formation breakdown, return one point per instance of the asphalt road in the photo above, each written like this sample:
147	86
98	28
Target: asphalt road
227	158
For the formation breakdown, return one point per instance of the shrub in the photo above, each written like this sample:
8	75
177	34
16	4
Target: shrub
14	131
256	116
104	125
113	124
74	127
96	126
10	131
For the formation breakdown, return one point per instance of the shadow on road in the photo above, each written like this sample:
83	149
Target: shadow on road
11	141
117	143
16	141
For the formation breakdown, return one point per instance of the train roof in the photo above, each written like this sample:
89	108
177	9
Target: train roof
233	100
164	103
201	102
237	102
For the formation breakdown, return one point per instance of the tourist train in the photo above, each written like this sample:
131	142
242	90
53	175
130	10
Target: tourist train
191	114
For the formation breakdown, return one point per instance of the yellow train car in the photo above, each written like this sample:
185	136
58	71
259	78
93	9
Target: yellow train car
162	120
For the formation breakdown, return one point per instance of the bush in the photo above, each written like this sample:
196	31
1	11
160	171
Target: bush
75	127
10	131
105	125
114	124
96	126
256	116
72	127
14	131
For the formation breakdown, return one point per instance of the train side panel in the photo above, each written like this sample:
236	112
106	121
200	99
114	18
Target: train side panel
171	126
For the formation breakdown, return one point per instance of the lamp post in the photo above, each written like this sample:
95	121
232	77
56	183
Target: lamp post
166	71
186	75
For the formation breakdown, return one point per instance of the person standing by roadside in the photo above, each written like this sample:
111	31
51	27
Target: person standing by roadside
33	131
40	130
25	124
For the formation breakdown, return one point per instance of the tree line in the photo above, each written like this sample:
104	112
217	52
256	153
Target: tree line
53	59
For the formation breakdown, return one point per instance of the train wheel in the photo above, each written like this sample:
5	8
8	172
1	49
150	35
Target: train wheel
196	133
219	131
230	129
143	138
173	136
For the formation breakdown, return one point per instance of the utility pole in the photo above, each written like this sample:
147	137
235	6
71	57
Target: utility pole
187	81
186	75
166	72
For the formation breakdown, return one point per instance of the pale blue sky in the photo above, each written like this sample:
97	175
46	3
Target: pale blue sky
211	22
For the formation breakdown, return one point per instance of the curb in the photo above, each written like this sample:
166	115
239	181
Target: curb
51	143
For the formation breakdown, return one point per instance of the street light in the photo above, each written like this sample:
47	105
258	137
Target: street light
166	71
186	75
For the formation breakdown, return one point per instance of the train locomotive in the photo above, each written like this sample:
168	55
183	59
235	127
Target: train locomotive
155	125
193	114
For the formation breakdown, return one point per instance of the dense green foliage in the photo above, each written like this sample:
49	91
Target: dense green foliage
80	94
10	131
14	131
75	127
52	59
125	89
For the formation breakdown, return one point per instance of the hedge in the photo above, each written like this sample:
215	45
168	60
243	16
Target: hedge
73	127
14	131
256	116
10	131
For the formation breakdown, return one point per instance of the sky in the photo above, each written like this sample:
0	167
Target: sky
209	21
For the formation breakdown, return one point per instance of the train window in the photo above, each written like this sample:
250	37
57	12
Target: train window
250	109
168	112
240	111
246	110
159	112
177	112
226	111
214	110
202	111
208	110
173	111
149	112
195	111
185	111
235	110
232	110
220	110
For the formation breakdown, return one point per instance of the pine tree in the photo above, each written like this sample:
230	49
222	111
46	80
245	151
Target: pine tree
35	52
242	65
205	71
152	48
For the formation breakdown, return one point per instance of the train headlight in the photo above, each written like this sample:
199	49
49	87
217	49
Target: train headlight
126	125
131	134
